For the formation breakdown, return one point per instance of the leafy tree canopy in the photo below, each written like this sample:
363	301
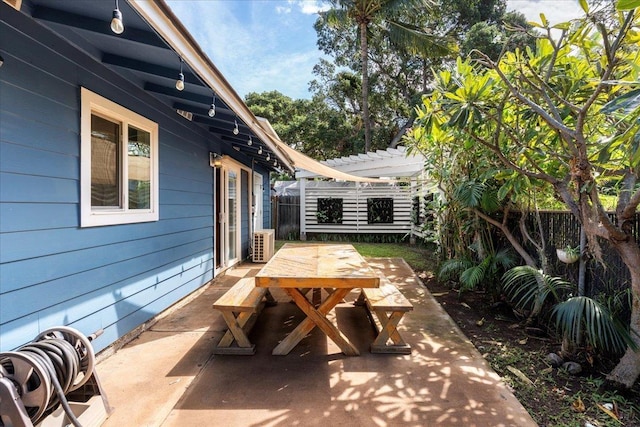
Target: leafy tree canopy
310	126
566	113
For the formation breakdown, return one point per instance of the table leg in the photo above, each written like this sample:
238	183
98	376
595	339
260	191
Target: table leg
316	317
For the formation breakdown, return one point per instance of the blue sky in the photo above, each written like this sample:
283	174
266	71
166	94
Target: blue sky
264	45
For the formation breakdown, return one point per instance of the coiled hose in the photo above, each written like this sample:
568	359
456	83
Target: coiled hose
60	361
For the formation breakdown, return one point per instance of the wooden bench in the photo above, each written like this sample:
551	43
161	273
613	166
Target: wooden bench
240	307
389	306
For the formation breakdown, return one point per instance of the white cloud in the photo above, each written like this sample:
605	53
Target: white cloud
555	11
283	10
312	7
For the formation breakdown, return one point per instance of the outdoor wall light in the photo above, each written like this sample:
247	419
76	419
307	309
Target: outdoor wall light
215	160
212	110
235	128
250	141
180	81
116	23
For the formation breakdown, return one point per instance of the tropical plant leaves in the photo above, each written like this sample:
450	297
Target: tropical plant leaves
627	4
582	316
628	102
528	288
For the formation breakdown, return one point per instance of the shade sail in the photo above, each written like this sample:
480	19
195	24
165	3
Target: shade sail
304	162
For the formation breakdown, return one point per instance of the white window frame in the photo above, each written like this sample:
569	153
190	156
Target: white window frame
90	217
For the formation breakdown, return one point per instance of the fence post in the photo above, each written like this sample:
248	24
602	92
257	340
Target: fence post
303	203
275	207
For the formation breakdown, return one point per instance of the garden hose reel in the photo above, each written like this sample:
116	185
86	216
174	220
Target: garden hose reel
49	381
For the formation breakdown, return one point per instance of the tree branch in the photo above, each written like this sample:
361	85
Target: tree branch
528	259
544	115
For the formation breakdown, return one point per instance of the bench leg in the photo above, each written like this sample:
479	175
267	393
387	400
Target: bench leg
388	332
236	333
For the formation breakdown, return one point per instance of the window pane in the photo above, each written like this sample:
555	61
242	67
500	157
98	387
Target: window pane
139	169
105	164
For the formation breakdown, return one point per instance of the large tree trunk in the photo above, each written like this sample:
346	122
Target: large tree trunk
627	371
364	52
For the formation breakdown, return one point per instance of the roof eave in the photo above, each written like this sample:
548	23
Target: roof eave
158	14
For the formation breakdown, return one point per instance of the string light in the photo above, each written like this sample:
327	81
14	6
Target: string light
235	128
180	81
250	141
212	110
268	157
260	150
116	23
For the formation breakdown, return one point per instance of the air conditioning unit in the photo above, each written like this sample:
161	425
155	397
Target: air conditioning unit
263	245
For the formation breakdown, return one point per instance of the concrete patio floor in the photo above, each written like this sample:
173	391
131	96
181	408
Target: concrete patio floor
168	375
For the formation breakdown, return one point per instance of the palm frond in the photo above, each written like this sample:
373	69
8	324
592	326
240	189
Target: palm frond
398	5
452	268
469	193
473	276
528	288
505	258
489	202
416	41
336	18
583	316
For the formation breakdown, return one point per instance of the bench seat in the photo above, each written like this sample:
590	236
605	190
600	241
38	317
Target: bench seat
240	307
389	306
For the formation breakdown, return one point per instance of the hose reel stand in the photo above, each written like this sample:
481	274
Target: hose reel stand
51	382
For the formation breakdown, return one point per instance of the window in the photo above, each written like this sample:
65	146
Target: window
329	211
119	164
380	211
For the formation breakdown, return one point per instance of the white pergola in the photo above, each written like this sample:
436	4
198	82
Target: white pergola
393	174
391	163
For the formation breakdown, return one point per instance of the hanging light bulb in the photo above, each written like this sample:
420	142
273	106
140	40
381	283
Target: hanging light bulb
180	81
250	141
212	110
116	23
235	128
260	150
268	157
275	163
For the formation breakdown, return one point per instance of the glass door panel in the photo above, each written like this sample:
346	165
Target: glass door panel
232	207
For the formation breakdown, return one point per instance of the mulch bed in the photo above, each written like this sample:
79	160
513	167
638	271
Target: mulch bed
554	397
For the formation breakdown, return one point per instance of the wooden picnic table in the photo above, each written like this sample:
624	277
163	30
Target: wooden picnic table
299	267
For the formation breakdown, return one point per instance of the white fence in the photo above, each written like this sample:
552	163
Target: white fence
360	206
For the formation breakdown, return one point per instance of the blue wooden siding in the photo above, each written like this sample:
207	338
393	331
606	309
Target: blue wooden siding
52	272
266	200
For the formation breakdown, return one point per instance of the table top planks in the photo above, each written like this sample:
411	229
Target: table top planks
313	265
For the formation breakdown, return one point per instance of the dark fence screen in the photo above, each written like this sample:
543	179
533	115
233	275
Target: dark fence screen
285	217
561	229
